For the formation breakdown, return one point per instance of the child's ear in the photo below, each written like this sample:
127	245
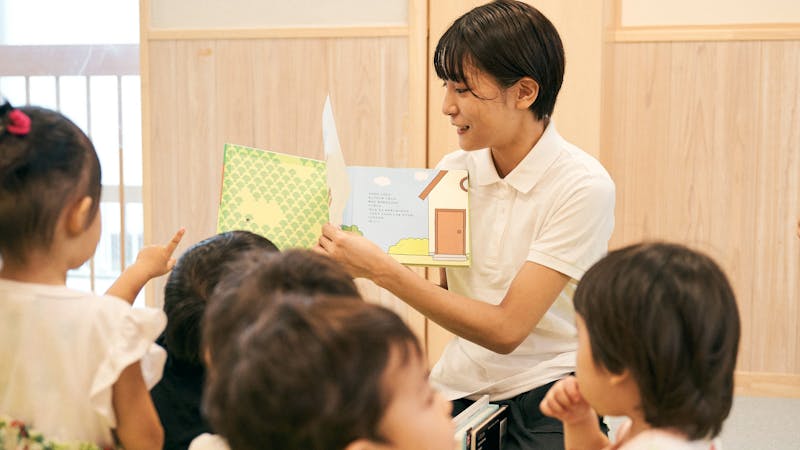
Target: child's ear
618	379
78	216
527	92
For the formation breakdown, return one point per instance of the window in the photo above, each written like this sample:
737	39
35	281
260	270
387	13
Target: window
81	58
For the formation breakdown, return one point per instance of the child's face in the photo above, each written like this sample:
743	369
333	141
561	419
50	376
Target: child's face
485	117
417	417
595	382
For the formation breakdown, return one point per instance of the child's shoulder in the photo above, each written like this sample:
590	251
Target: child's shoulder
656	439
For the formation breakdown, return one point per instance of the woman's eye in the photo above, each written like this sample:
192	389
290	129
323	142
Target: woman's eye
461	90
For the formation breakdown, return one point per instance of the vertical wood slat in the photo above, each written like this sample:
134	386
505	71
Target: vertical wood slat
120	157
705	151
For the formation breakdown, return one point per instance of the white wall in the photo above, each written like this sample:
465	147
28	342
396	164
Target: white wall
202	14
708	12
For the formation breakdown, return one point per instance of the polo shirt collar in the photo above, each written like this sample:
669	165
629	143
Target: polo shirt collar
529	171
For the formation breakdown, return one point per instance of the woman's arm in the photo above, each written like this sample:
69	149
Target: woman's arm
500	328
138	426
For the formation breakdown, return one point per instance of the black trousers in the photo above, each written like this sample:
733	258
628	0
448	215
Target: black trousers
528	428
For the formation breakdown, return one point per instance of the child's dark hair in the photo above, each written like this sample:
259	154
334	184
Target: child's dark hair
508	40
42	171
298	271
668	315
191	283
303	371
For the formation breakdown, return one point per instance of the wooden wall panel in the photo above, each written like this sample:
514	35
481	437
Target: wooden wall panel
705	150
258	92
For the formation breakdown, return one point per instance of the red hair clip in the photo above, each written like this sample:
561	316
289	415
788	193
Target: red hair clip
18	122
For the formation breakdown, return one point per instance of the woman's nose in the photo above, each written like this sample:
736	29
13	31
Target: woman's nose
448	106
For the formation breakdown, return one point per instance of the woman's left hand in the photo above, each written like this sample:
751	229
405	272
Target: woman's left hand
359	256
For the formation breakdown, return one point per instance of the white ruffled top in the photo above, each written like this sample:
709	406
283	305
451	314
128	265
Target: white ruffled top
61	351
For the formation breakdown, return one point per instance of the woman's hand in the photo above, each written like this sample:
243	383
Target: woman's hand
359	256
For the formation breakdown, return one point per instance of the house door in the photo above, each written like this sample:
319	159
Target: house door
450	231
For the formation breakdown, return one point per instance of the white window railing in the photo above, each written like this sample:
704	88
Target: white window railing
97	87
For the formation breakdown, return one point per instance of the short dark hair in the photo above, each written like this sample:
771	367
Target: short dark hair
41	173
298	271
191	283
508	40
668	315
302	371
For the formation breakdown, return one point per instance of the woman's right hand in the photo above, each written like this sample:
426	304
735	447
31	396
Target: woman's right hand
359	256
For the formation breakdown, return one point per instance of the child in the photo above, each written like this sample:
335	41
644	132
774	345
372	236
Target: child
658	334
177	396
296	370
542	212
75	366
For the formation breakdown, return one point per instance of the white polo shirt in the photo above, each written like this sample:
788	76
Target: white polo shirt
556	208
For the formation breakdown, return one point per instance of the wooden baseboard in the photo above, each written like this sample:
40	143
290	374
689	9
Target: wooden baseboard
762	384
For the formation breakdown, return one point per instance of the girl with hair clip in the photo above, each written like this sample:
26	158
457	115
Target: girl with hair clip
658	332
73	366
542	212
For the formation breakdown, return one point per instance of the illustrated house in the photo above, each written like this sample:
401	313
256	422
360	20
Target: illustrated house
447	216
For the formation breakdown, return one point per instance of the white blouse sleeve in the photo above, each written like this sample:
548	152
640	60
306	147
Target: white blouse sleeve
130	335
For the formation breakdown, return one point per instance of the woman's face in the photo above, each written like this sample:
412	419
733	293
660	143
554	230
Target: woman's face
486	115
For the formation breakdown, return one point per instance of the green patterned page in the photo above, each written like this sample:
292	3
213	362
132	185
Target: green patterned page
281	197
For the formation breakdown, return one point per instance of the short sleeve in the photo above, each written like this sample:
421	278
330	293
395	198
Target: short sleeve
576	234
208	442
130	337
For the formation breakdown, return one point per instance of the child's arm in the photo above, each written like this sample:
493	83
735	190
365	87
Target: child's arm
581	428
138	425
152	261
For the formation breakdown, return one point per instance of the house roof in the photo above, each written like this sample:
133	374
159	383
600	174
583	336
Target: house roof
424	194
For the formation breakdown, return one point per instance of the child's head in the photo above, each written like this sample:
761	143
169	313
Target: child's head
507	40
50	179
191	283
309	365
299	271
664	318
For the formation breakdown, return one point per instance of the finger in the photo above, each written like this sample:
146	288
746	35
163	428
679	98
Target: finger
325	243
553	407
318	249
561	397
573	391
329	231
173	243
544	407
171	263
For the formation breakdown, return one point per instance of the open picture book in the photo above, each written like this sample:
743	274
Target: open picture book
418	216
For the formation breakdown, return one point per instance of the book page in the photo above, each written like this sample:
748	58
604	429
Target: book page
281	197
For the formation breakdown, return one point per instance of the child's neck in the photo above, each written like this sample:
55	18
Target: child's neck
38	268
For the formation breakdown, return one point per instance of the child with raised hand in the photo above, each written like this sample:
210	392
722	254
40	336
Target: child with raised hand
541	213
658	332
75	366
178	395
296	370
